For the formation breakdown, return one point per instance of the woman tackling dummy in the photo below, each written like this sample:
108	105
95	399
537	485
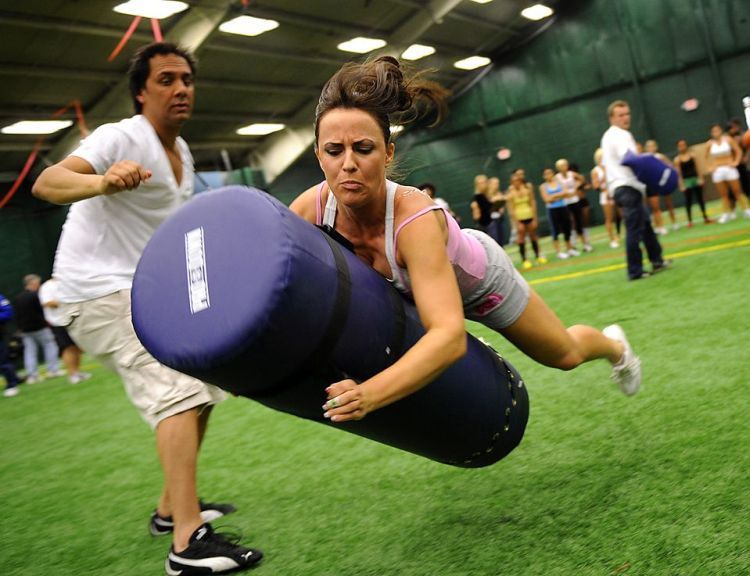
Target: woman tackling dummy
451	274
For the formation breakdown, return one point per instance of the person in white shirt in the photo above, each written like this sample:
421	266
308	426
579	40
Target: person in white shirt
629	193
124	180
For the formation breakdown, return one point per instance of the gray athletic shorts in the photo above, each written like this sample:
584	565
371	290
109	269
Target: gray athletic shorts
503	294
103	328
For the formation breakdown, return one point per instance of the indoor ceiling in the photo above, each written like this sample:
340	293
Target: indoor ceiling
55	52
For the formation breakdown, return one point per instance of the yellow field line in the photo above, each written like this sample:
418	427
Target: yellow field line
613	267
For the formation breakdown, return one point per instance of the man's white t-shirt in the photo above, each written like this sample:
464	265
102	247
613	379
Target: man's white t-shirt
615	144
103	237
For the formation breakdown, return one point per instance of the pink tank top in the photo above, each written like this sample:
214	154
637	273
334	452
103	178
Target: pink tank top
465	252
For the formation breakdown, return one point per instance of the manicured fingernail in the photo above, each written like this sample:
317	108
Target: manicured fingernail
326	414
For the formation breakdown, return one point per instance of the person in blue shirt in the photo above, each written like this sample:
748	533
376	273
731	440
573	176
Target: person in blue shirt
7	366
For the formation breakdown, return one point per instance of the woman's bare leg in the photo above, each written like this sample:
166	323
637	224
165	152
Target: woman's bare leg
541	335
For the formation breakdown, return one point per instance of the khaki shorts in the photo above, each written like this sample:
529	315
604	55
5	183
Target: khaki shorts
103	328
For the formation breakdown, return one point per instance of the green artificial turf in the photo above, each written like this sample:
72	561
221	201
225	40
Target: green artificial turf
602	484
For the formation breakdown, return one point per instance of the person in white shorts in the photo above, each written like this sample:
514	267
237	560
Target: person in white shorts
723	155
124	180
599	182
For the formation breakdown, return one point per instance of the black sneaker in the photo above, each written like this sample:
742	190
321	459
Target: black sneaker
641	276
210	511
210	553
663	265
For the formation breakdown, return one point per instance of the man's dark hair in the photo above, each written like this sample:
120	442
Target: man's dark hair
139	66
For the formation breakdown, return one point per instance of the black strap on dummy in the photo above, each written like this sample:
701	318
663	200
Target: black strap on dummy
341	303
399	332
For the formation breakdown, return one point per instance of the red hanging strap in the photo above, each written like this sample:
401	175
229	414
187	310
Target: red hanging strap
22	176
124	40
156	29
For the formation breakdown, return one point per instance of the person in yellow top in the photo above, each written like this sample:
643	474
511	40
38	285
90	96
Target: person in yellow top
522	206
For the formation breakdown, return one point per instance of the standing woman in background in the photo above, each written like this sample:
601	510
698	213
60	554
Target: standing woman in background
522	206
599	182
691	183
653	148
497	214
554	194
581	189
722	157
571	181
481	207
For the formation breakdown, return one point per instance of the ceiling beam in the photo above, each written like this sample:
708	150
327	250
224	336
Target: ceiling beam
217	84
245	50
237	117
21	146
107	77
58	72
56	24
462	17
200	145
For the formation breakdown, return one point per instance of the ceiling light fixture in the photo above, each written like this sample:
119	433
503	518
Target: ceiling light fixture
472	62
537	12
361	45
417	51
260	129
248	25
482	1
36	126
151	8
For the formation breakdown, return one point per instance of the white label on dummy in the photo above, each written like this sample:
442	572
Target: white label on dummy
665	176
195	259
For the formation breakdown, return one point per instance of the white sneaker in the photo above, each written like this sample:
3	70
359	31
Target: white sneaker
660	231
588	248
10	392
675	226
627	372
614	244
33	380
724	218
733	216
747	213
56	374
78	377
573	252
562	255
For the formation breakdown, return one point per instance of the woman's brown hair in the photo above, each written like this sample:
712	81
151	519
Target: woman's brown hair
381	88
